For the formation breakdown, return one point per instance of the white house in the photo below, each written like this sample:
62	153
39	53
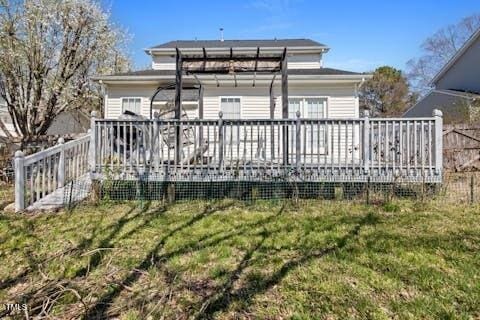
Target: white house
313	89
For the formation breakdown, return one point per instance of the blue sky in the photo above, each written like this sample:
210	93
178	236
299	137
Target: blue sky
361	34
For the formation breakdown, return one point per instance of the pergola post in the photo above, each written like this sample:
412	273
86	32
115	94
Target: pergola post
285	105
200	113
272	116
178	107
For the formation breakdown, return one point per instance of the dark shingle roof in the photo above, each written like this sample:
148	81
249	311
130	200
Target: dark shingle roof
319	71
271	43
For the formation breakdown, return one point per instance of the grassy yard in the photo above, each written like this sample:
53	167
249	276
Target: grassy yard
230	260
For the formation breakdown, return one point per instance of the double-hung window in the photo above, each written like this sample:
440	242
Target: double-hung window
132	105
315	135
230	107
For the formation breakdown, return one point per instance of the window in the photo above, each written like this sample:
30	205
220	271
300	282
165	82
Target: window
230	108
131	104
311	108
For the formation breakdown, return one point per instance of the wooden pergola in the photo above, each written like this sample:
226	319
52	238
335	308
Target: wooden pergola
232	63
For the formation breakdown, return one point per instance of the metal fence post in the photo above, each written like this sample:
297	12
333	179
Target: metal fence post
19	181
92	152
220	139
61	163
438	115
472	189
298	140
366	141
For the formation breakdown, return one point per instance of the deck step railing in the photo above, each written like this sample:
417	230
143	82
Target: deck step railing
269	148
41	173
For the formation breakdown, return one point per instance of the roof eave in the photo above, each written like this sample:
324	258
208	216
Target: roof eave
307	49
350	77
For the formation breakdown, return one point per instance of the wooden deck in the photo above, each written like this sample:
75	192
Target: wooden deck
336	150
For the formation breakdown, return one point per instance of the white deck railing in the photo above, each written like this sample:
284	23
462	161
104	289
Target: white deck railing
41	173
338	150
381	148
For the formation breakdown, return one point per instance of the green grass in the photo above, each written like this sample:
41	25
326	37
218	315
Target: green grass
229	260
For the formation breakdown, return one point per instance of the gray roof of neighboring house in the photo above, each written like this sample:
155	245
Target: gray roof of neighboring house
318	71
70	122
454	59
451	102
269	43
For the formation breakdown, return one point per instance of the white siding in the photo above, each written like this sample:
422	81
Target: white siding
304	61
116	93
163	62
255	102
296	61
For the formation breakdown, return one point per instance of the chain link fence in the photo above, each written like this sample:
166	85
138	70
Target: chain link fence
457	188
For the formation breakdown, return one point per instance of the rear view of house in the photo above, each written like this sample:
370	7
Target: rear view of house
314	90
250	111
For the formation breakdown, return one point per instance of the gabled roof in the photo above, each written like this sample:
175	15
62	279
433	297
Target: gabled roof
475	36
266	43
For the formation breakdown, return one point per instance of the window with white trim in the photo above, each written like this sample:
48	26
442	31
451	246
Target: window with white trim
311	108
230	107
132	104
315	135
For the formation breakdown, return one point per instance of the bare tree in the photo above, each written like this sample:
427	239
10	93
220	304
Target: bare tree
49	51
438	50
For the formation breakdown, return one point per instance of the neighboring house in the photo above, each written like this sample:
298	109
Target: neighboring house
67	123
314	90
70	123
456	87
6	119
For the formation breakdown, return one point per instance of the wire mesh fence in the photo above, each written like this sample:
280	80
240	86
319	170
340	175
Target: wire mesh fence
456	188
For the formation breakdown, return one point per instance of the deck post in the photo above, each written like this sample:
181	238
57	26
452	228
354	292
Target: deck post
366	141
61	163
220	139
92	152
438	115
19	181
298	140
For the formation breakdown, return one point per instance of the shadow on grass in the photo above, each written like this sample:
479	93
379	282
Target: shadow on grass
114	229
99	310
225	295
